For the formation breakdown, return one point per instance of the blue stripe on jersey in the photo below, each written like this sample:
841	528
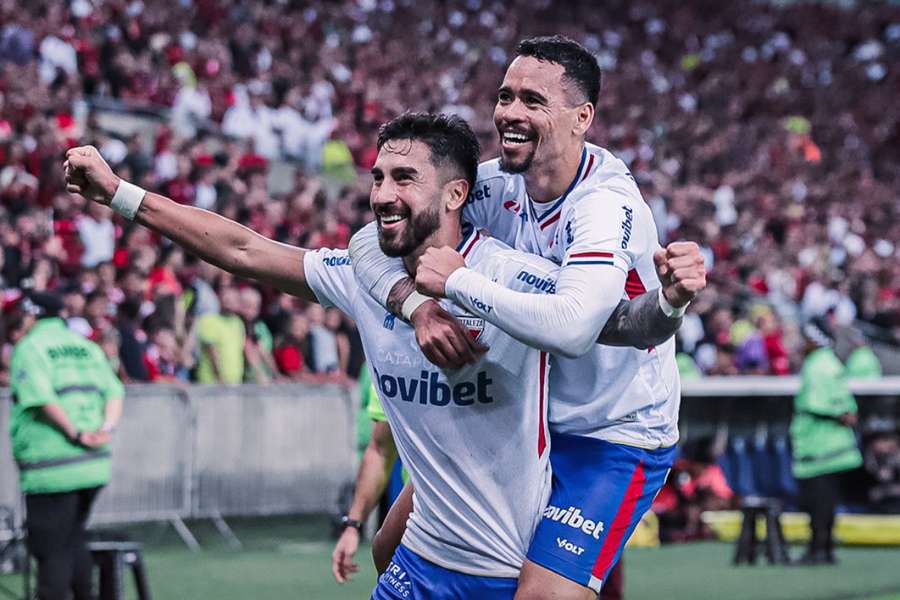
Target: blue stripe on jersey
590	262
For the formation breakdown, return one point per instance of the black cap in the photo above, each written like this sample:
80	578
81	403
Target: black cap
43	304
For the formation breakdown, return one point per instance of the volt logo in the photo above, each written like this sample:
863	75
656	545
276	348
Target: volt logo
427	389
569	546
572	517
480	305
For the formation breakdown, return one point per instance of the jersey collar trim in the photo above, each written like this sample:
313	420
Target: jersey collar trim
552	214
471	236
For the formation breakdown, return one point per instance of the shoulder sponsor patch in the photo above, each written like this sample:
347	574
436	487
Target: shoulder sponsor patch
486	189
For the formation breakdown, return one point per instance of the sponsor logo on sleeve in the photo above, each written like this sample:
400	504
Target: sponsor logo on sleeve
626	226
542	283
336	261
480	305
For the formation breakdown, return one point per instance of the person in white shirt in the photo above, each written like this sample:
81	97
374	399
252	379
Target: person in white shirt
613	411
474	440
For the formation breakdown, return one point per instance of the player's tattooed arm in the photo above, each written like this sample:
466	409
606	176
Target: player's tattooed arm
639	323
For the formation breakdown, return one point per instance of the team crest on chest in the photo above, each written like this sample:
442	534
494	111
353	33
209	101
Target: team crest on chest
474	325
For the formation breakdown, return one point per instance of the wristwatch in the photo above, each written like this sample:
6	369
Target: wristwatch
346	522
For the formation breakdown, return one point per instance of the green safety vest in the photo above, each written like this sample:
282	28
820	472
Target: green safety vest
52	364
821	444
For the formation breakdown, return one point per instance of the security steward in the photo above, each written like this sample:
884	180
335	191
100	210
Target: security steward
66	403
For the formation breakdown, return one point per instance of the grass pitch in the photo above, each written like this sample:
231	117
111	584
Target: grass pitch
291	558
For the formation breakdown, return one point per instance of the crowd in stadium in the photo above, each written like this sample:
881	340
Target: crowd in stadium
768	135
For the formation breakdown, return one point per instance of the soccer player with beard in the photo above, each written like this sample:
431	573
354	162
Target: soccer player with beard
474	440
613	411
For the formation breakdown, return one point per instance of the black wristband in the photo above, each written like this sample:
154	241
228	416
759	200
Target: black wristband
346	522
75	438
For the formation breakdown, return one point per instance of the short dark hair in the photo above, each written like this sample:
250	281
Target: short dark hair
448	137
579	66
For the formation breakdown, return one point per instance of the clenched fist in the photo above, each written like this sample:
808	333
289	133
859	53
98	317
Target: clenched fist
434	268
89	175
681	270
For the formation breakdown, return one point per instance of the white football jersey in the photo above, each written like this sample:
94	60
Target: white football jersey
622	395
474	440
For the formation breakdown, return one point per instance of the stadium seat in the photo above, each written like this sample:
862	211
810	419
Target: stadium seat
112	557
787	485
742	479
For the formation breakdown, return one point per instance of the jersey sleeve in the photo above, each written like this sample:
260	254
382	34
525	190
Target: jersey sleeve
30	381
375	272
566	323
607	228
329	274
491	205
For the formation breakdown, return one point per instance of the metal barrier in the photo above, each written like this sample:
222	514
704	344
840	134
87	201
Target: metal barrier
9	486
271	449
152	458
209	451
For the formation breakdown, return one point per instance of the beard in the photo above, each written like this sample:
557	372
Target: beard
418	229
516	167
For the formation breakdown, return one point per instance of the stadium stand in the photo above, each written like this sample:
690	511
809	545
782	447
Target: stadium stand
766	133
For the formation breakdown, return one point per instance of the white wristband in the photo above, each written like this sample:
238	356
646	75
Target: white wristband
412	302
669	310
127	199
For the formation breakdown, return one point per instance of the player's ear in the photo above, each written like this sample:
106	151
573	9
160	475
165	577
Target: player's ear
455	193
583	119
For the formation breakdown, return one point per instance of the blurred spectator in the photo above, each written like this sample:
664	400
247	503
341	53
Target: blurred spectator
259	344
97	234
323	342
293	349
696	484
221	339
881	460
163	357
133	340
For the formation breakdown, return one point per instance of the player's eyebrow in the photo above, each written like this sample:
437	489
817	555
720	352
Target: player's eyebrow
404	172
525	93
533	95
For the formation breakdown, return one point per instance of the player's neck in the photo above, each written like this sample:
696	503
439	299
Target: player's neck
551	180
448	234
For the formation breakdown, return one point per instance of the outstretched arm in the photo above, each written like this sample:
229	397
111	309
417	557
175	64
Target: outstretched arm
215	239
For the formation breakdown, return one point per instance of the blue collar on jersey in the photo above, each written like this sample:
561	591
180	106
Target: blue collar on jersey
558	203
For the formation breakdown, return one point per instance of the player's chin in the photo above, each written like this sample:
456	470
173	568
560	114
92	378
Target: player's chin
516	159
393	243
